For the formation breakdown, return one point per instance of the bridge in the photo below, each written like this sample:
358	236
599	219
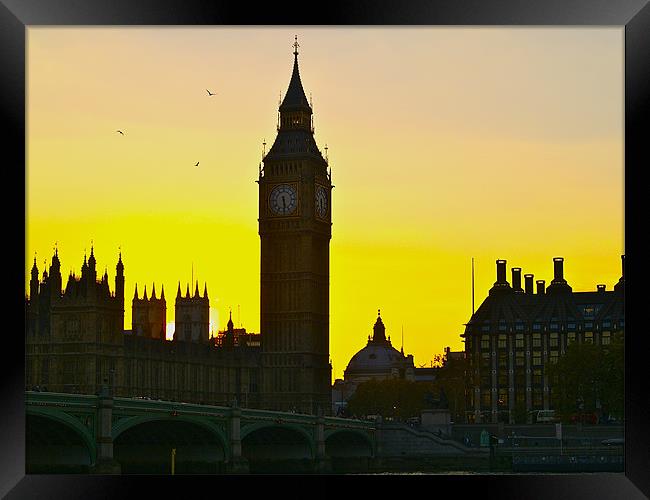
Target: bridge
98	433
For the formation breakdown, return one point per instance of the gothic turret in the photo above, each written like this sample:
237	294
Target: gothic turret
119	280
92	264
33	283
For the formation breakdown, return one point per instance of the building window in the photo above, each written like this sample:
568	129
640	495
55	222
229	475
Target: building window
485	342
554	357
537	398
605	338
537	358
502	342
519	358
571	326
589	337
537	326
554	340
553	326
571	337
537	340
519	341
519	326
485	398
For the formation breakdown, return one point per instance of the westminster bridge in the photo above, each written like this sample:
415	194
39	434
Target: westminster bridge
79	433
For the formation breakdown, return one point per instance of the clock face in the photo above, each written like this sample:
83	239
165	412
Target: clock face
283	200
321	202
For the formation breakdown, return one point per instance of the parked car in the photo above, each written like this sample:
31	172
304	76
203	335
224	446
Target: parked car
544	417
613	442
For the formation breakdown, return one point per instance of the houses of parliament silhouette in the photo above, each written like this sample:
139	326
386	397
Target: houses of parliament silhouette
75	337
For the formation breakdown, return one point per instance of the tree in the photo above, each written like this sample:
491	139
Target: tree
587	377
395	398
450	378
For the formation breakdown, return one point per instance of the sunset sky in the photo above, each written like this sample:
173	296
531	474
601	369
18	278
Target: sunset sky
445	144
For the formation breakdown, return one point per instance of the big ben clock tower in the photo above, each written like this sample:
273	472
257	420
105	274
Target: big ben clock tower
295	230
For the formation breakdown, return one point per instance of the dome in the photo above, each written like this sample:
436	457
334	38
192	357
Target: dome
379	356
376	357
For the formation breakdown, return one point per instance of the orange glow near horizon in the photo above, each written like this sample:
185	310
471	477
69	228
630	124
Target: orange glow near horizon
445	144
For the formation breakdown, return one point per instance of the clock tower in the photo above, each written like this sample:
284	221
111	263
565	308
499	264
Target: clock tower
295	231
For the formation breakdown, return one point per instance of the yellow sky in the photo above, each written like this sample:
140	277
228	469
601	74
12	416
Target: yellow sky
445	144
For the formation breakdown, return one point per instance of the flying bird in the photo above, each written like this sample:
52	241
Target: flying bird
120	132
210	93
197	164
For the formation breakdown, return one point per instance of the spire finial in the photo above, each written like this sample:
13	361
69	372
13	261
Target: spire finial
263	148
379	312
295	46
56	249
326	158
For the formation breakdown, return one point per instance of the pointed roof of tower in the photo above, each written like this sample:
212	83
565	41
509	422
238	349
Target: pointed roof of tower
196	290
379	330
35	269
91	259
135	295
55	258
145	293
295	98
230	323
153	291
205	290
295	141
162	292
178	292
120	264
187	292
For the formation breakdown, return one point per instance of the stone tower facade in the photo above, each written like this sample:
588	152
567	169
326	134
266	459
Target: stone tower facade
149	318
63	323
192	315
295	230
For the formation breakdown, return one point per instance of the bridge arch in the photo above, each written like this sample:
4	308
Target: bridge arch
144	444
271	447
45	431
348	443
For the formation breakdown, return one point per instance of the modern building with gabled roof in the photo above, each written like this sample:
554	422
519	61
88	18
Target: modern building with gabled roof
516	333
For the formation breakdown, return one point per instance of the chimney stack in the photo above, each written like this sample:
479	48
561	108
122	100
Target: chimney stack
623	266
540	287
516	279
528	282
501	271
558	268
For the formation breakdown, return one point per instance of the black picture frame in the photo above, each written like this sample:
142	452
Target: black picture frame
17	15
